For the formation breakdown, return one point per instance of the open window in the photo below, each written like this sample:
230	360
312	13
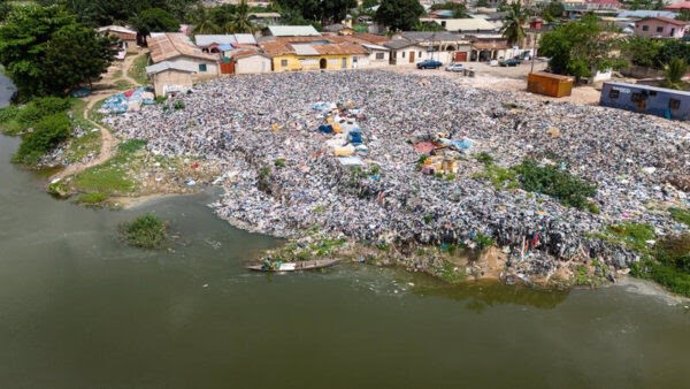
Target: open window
674	104
614	94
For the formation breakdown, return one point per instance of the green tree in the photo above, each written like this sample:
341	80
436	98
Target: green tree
459	10
239	22
399	15
684	15
366	4
482	3
674	72
45	51
154	20
580	48
642	51
334	11
77	54
670	49
428	26
203	21
513	23
552	11
5	9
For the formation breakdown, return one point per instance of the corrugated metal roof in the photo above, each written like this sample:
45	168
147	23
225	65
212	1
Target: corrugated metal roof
399	43
293	31
208	40
245	39
304	49
170	45
464	25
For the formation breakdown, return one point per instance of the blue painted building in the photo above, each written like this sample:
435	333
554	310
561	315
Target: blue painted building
667	103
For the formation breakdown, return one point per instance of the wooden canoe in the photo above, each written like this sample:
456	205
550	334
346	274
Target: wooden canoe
297	266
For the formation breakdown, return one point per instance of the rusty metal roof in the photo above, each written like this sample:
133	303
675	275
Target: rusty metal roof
166	46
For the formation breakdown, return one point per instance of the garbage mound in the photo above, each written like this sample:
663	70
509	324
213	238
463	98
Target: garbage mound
384	157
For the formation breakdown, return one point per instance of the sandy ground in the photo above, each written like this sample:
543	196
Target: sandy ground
505	79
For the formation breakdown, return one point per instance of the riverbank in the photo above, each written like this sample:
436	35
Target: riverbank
281	177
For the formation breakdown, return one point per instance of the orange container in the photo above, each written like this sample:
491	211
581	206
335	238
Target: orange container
548	84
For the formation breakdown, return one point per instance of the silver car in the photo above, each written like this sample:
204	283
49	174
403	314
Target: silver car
455	67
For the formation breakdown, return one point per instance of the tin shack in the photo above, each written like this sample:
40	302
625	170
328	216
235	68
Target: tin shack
548	84
667	103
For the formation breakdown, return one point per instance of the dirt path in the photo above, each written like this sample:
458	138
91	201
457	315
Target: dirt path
108	141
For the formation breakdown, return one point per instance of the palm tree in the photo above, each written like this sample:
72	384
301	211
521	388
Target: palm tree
512	23
240	20
674	72
203	22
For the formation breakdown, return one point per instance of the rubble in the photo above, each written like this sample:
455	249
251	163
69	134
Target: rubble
245	124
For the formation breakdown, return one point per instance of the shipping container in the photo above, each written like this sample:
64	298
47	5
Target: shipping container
548	84
667	103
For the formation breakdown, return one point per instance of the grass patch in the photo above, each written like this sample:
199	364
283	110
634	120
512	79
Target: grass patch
93	198
631	235
93	114
449	273
138	70
48	132
680	215
111	177
670	265
549	180
499	177
123	85
80	148
147	231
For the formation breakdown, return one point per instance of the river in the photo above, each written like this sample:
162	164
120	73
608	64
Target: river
80	310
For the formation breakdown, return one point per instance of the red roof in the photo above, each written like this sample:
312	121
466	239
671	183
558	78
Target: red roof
678	6
666	20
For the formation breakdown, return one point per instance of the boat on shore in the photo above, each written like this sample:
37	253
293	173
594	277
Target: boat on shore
281	267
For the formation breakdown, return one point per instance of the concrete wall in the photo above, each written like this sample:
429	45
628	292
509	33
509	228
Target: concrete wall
171	81
253	64
658	28
293	62
639	99
212	68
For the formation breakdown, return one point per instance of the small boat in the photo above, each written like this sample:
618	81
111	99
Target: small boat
295	266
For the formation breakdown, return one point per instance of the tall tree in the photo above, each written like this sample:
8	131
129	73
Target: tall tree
45	51
399	15
154	20
203	22
459	10
240	21
334	11
580	48
513	23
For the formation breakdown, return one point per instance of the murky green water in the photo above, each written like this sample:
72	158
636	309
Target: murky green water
79	310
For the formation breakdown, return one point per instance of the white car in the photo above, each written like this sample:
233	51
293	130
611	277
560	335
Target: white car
455	67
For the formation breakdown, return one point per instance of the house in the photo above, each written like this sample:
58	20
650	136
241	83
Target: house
339	28
661	27
668	103
290	31
224	43
464	25
127	36
178	49
645	13
313	53
171	77
249	61
603	5
677	7
413	46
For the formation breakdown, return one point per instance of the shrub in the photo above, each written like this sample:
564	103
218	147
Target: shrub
483	241
633	235
47	134
51	105
485	158
680	215
279	163
675	251
147	231
549	180
8	113
179	104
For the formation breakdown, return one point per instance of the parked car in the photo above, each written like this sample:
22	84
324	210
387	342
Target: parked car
509	62
455	67
429	64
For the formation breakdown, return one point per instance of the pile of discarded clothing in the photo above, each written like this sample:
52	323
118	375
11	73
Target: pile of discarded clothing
341	121
129	101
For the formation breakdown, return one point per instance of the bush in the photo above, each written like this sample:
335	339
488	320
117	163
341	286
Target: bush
8	113
680	215
51	105
675	251
147	231
633	235
179	104
549	180
47	134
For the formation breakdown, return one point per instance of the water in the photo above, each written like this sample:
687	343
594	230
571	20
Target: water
80	310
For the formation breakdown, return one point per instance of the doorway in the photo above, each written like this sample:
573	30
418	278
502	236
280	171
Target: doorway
411	56
323	64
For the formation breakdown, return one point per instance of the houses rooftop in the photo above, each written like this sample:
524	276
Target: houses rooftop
292	31
165	46
228	39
